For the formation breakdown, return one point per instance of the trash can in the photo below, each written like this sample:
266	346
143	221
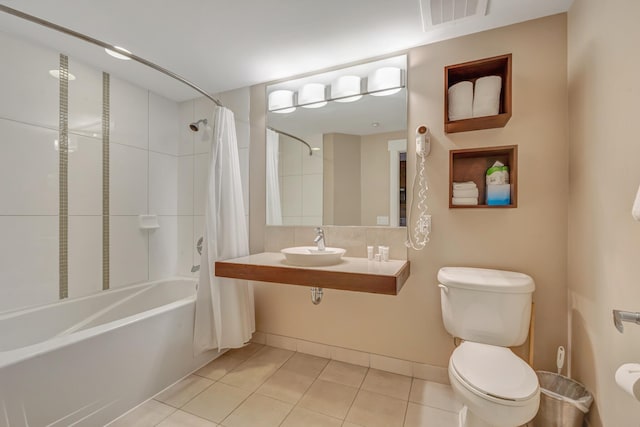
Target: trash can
563	401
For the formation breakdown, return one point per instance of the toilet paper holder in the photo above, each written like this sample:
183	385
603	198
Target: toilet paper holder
620	316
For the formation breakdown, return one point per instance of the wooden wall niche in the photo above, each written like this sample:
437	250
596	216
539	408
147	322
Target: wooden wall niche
471	71
472	164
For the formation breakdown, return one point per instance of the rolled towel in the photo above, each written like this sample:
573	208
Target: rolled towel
460	101
467	185
464	201
469	192
486	97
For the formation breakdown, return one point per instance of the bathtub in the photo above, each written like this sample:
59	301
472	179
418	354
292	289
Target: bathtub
85	361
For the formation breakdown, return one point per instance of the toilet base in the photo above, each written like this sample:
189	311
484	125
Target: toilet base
469	419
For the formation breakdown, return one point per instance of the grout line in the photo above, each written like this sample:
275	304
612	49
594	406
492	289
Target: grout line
106	162
63	170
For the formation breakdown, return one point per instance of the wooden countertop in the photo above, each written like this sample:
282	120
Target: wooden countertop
352	274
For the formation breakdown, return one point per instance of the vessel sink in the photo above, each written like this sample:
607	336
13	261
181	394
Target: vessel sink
310	256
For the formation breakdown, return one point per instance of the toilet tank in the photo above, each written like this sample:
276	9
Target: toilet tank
486	306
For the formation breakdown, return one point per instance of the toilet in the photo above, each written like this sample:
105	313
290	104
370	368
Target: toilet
490	311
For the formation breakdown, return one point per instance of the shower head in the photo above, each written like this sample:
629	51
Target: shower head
194	126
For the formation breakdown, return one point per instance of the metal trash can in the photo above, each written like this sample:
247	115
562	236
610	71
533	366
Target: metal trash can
563	401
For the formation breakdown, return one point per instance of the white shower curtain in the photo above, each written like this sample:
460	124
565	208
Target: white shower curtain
274	210
225	316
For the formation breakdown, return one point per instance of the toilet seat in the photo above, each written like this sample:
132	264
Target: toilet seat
494	373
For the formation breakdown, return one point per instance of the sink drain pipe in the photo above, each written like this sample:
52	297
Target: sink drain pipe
316	295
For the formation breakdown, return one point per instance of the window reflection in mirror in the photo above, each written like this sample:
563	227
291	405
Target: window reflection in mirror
343	162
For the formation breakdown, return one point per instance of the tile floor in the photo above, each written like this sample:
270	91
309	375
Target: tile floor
262	386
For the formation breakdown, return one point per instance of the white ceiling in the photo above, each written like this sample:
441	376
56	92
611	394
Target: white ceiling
224	44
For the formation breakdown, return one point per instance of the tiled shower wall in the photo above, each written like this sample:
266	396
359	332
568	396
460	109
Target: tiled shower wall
193	167
146	155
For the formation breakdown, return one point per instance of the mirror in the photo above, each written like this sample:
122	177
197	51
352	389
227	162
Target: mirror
341	161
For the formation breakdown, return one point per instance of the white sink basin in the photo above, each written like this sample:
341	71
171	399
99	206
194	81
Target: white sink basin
310	256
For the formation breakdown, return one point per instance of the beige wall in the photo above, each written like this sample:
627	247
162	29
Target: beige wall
342	162
531	238
604	241
375	175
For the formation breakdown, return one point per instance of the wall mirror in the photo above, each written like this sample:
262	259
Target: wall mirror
336	147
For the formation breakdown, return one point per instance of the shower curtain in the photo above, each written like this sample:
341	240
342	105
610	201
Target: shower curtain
274	210
225	316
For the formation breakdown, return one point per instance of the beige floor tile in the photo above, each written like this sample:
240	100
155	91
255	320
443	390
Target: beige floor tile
219	368
306	364
434	394
183	391
426	416
258	411
216	402
329	398
387	383
301	417
277	356
344	373
244	352
286	385
375	410
348	424
183	419
251	374
148	414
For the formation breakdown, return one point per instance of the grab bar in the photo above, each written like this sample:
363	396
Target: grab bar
620	316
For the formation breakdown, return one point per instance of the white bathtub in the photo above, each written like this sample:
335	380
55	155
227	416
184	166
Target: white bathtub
85	361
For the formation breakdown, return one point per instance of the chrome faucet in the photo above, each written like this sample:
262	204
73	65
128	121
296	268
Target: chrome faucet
319	240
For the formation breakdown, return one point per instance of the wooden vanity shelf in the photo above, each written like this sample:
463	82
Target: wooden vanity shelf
471	71
352	274
472	164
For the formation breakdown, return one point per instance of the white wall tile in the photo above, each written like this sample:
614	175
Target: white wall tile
129	252
238	101
85	255
163	184
163	241
203	109
313	164
312	195
164	119
85	100
291	220
28	170
185	247
28	261
129	114
29	93
243	159
185	185
128	180
311	220
186	135
200	176
243	133
291	195
390	364
85	176
291	150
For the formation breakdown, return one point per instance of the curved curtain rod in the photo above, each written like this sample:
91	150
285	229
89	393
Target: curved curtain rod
293	137
100	43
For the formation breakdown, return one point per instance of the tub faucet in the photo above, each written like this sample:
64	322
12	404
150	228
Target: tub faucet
319	240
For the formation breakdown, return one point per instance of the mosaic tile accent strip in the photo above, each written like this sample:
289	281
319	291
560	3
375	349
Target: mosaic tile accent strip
63	169
105	179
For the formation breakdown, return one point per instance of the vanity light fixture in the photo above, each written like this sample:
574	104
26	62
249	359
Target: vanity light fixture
116	53
385	81
281	101
346	89
312	95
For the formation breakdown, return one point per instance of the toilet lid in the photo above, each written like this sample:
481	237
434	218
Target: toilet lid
494	371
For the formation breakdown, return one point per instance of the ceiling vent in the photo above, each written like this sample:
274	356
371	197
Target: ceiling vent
440	12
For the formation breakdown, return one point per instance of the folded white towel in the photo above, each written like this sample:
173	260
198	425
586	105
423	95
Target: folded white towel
464	185
486	96
460	101
468	192
635	211
464	201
